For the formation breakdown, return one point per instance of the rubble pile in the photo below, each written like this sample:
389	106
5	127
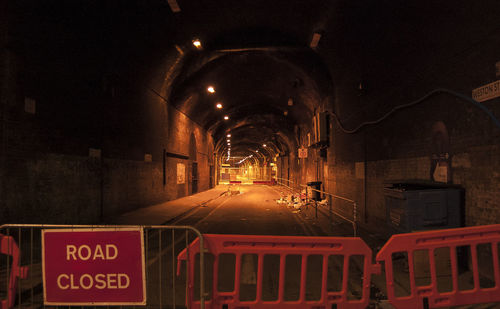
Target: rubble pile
292	201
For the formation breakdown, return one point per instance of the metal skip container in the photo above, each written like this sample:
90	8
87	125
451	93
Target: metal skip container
416	207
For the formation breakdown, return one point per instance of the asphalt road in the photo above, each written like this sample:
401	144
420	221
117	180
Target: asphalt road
250	210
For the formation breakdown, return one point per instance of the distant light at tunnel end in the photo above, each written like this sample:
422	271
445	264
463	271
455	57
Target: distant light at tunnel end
211	89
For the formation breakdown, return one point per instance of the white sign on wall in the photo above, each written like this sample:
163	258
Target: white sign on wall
181	173
487	92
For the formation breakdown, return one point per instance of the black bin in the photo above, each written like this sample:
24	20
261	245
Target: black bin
317	186
416	206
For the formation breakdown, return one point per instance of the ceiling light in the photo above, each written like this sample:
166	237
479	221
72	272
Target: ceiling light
315	40
197	43
226	117
264	145
256	151
211	89
229	135
219	105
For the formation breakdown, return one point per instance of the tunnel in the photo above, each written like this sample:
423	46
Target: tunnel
333	140
110	107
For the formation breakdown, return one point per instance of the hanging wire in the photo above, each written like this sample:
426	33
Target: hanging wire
418	101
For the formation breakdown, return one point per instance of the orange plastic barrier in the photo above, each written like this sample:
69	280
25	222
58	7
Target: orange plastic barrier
9	247
260	246
429	295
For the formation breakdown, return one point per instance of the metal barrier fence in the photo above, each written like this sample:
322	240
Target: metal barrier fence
246	271
424	252
290	185
332	211
284	272
21	249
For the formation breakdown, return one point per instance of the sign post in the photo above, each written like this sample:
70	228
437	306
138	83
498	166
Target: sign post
93	267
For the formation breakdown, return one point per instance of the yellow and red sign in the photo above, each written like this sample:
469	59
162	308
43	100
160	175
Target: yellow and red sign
93	267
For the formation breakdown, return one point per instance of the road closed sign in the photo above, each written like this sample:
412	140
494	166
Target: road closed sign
93	267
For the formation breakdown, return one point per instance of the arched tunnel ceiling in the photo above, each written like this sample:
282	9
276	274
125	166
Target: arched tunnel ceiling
257	54
265	91
257	57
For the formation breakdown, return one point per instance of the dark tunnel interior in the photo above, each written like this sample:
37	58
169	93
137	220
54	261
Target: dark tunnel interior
104	103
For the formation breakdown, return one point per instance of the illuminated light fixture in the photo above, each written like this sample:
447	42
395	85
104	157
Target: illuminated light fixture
290	102
174	6
256	151
228	140
219	105
315	40
285	113
264	145
245	158
226	117
211	89
229	135
197	43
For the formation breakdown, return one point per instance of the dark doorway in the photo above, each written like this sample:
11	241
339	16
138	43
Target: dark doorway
194	177
211	177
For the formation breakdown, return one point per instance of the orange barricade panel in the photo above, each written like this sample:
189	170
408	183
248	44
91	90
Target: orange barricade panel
257	272
8	246
432	256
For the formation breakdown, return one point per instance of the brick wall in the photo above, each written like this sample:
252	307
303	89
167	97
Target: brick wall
83	100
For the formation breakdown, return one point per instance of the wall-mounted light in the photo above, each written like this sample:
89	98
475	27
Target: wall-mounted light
197	43
174	6
211	89
219	105
315	40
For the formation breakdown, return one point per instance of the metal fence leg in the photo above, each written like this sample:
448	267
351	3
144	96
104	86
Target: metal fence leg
173	268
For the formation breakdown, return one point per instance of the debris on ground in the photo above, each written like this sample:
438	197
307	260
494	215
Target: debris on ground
294	201
233	192
281	201
303	194
323	202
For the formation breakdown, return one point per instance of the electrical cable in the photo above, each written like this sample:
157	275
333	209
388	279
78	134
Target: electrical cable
410	104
